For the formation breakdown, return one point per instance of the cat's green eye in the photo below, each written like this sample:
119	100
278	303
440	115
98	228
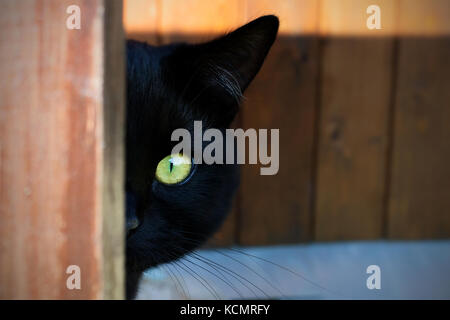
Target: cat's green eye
173	169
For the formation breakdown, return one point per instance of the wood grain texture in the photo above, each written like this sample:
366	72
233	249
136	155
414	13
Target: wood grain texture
208	19
423	18
351	161
296	16
226	236
353	128
419	203
113	152
276	209
201	16
141	20
51	137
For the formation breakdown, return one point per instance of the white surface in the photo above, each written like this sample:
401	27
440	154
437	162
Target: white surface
409	270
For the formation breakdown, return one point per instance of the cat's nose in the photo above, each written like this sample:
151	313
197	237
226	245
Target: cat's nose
132	221
132	224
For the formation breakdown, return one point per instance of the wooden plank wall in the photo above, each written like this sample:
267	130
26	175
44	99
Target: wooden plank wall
61	150
356	82
362	116
419	198
282	96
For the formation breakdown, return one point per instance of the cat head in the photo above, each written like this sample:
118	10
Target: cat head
169	87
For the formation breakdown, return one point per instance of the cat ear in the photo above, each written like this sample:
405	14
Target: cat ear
234	59
215	74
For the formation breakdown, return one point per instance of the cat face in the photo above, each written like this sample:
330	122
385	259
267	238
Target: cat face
170	87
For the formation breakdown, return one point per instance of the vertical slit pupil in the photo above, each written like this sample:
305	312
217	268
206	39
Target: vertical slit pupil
170	167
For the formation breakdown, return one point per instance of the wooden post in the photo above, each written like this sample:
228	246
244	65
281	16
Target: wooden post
61	150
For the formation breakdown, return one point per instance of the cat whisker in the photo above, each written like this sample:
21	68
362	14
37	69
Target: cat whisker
175	280
182	278
236	276
287	270
205	283
298	275
252	270
195	275
227	270
173	276
222	279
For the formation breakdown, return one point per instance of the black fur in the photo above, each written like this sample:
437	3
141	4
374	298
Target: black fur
169	87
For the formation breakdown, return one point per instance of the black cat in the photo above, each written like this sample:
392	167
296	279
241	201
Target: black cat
170	209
